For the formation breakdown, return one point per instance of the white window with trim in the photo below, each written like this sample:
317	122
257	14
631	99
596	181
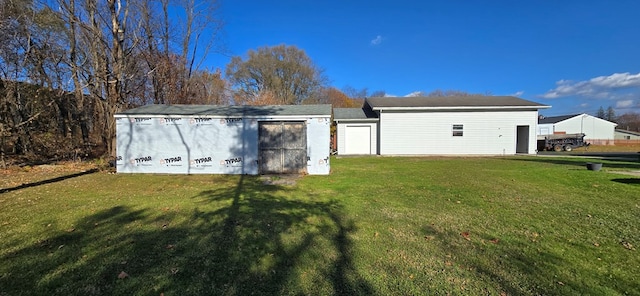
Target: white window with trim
457	130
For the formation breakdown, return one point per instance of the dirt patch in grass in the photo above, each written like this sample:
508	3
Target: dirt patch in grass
610	148
280	180
630	173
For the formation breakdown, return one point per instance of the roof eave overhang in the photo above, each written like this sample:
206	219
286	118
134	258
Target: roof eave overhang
586	115
357	120
461	108
222	116
626	132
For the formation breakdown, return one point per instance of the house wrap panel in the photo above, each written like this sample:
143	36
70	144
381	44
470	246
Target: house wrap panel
430	133
318	143
186	145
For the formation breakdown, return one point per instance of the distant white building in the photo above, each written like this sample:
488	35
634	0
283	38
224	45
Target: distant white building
621	134
596	130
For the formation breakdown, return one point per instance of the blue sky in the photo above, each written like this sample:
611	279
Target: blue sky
573	55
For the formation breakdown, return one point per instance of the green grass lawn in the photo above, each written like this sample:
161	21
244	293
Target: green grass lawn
375	226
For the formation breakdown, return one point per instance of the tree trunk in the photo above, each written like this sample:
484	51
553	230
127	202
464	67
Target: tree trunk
116	79
73	59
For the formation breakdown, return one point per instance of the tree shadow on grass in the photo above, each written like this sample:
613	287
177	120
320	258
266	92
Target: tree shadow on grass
236	240
48	181
272	239
630	181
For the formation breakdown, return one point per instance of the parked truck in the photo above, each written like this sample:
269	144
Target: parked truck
559	142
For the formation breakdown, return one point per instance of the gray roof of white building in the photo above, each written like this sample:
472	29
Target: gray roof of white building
354	114
235	111
555	119
452	102
623	131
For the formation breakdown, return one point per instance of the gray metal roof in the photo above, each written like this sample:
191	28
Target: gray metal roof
555	119
451	102
354	114
235	111
623	131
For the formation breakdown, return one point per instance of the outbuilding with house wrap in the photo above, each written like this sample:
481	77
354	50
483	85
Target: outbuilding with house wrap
208	139
469	125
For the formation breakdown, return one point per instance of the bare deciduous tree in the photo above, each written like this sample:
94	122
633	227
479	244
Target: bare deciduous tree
285	71
629	121
88	59
336	98
362	94
454	93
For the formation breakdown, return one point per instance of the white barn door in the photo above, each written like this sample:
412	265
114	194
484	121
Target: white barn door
357	140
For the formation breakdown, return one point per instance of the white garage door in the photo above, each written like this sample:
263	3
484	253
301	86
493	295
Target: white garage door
357	140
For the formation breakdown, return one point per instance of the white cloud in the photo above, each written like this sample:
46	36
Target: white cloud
624	104
598	87
377	40
517	94
415	94
617	80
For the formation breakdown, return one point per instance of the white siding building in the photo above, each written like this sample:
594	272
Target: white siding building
593	127
357	131
207	139
473	125
621	134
